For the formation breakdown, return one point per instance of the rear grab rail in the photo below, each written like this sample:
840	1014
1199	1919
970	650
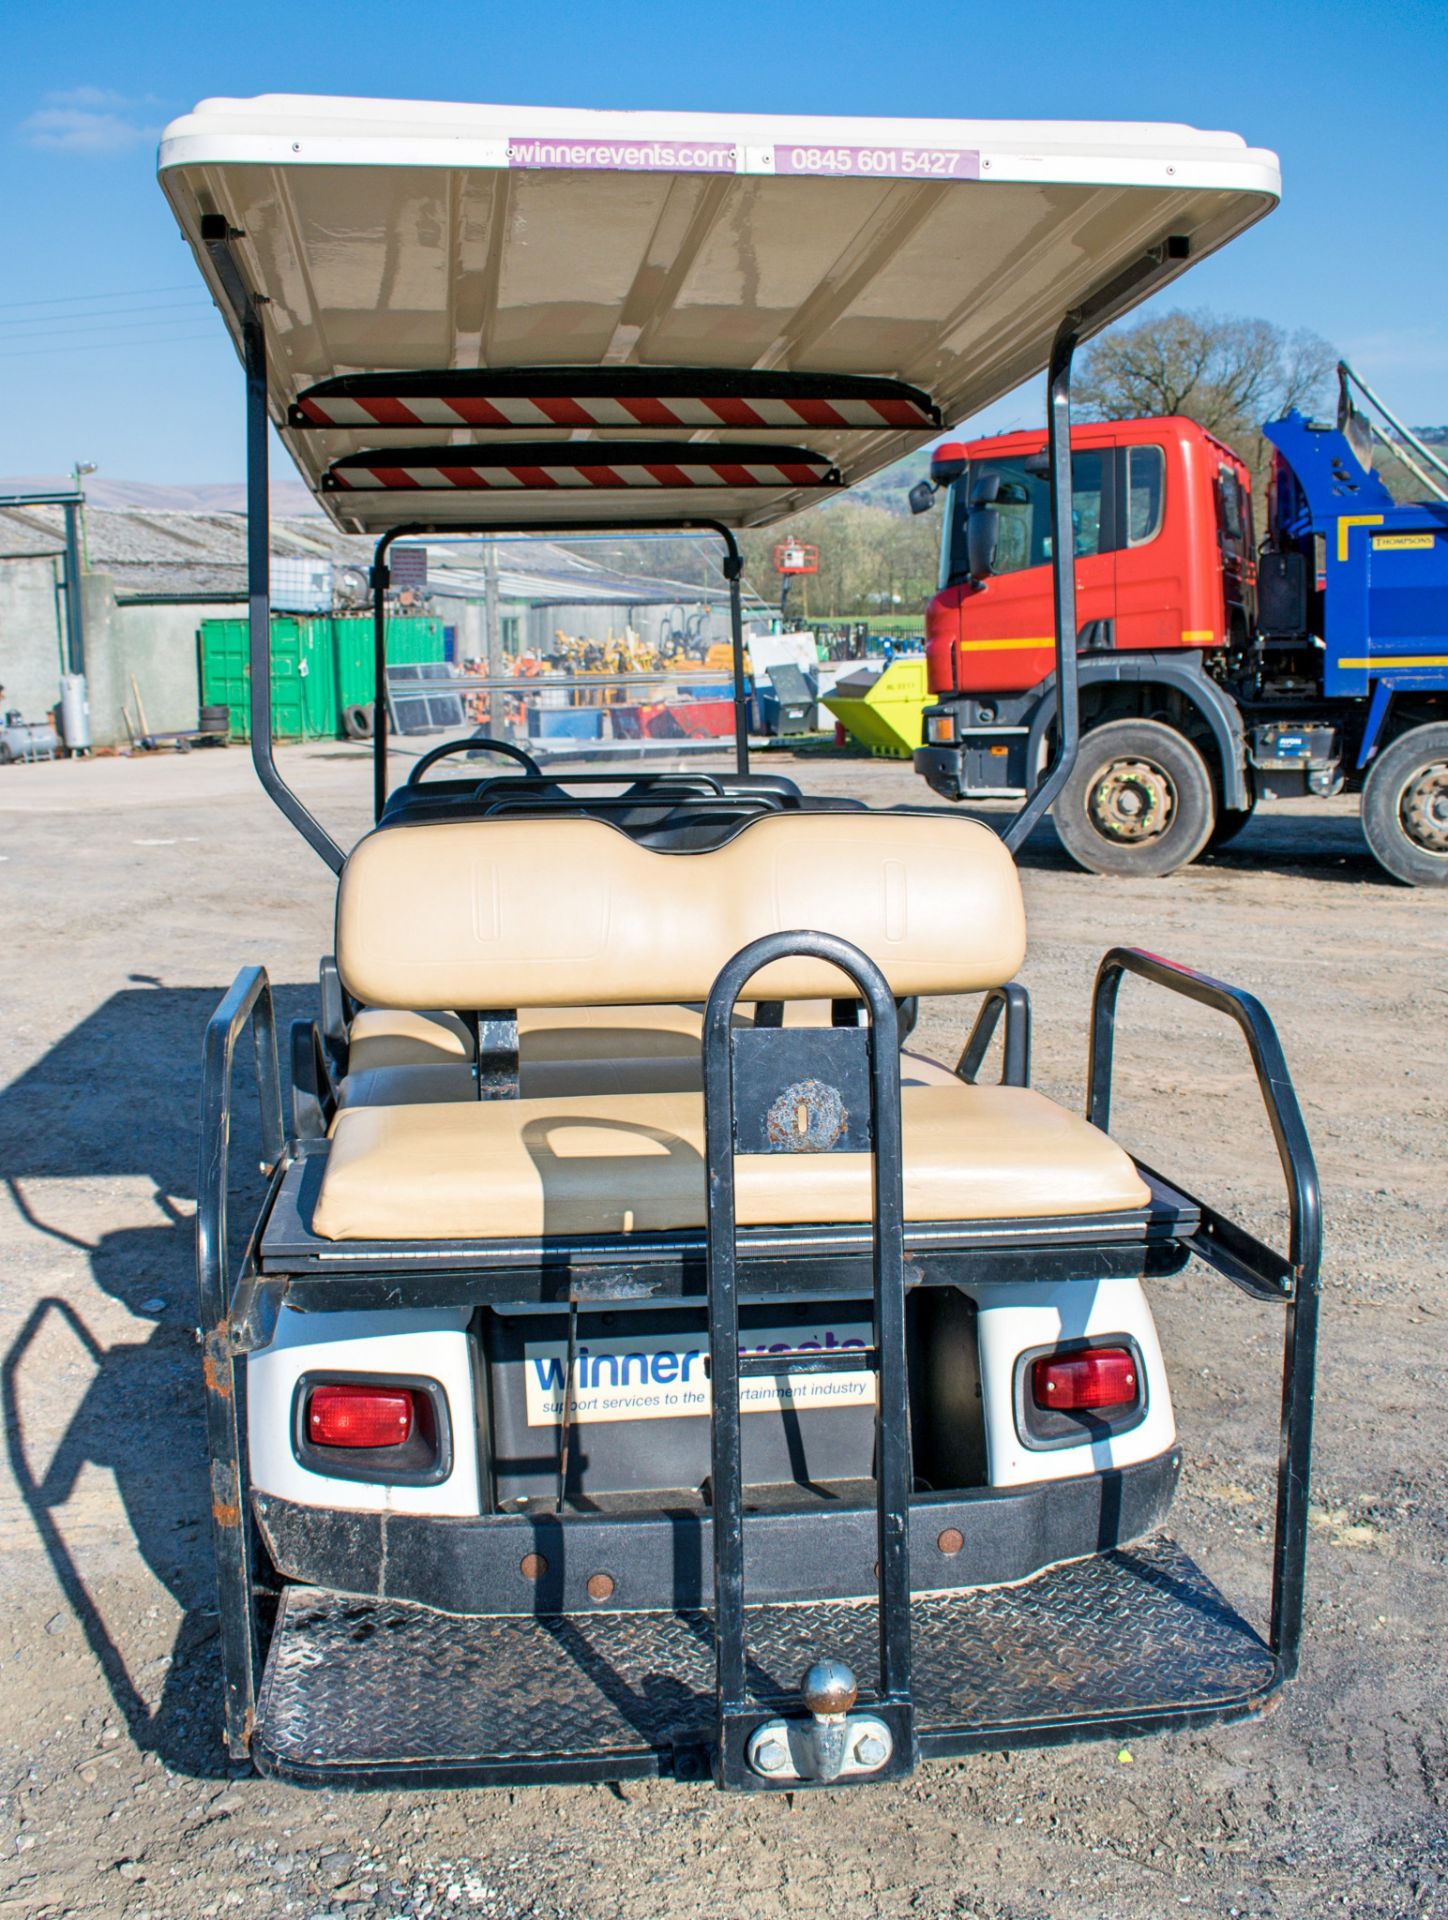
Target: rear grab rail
1245	1260
753	1054
249	1003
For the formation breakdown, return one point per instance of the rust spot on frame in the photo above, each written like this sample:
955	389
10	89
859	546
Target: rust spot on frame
808	1117
214	1373
226	1513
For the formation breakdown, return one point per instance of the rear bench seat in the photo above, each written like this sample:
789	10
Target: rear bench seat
570	915
401	1059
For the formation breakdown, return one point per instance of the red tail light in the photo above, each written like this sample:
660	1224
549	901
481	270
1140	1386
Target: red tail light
1086	1382
356	1415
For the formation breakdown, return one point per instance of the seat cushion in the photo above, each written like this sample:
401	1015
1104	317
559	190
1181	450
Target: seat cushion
393	1037
504	1169
389	1037
424	1085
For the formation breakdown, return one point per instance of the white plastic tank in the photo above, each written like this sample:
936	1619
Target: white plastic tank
75	727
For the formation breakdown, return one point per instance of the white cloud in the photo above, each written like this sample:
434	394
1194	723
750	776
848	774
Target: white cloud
89	120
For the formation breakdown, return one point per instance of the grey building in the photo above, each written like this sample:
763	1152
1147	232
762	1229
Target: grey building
149	579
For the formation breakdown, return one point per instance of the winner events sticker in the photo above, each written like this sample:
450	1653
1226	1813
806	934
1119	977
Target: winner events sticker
666	1376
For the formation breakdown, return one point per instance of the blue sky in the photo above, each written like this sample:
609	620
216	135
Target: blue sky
109	350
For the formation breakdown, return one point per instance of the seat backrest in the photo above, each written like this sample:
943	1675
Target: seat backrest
570	912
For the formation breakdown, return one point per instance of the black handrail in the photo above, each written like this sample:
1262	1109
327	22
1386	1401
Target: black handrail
1014	1002
1243	1258
1279	1097
248	1003
893	1468
524	782
575	805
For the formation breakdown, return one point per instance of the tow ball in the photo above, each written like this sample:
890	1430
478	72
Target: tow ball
833	1744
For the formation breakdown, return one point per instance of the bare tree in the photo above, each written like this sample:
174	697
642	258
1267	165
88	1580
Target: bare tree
1227	373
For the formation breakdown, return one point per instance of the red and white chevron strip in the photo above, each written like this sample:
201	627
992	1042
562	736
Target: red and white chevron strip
715	473
554	410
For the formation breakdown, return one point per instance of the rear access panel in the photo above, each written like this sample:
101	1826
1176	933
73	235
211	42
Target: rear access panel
370	1692
640	1397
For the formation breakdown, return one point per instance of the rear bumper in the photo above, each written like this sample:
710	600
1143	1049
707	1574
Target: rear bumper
541	1564
942	770
371	1692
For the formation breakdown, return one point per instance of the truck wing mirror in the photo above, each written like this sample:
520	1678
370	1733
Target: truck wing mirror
982	531
921	497
986	491
1038	465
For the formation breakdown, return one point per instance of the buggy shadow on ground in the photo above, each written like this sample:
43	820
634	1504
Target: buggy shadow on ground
140	1417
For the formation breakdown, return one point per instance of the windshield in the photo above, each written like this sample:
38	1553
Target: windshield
1024	506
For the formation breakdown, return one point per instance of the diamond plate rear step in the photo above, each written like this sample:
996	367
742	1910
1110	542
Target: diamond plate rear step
369	1692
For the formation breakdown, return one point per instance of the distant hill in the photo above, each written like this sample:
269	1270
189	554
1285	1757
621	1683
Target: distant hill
890	487
288	497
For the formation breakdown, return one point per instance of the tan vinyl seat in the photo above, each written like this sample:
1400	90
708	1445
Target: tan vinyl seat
502	1169
393	1037
546	1080
573	923
416	1086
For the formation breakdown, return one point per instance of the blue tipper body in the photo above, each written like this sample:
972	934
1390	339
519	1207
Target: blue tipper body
1385	604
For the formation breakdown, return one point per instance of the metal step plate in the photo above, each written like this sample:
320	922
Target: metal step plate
373	1691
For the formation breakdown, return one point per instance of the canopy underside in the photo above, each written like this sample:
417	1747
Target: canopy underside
436	240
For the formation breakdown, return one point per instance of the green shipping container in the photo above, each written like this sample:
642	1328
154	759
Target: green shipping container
319	666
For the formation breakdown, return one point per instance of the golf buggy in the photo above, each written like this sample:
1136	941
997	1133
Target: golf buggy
644	1360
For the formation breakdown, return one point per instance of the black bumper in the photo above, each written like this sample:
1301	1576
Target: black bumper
542	1564
372	1693
942	770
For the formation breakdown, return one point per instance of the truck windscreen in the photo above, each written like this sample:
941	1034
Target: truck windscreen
1023	504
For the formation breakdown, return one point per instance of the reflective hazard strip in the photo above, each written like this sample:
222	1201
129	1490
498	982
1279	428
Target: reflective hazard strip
1389	662
1345	524
555	410
1004	646
721	473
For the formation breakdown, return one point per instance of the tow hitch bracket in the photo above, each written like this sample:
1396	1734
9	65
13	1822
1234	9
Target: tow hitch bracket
833	1744
781	1090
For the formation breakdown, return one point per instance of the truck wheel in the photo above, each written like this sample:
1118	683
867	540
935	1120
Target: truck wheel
1405	807
1139	802
1230	822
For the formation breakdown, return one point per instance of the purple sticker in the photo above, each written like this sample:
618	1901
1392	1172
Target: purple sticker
626	156
892	163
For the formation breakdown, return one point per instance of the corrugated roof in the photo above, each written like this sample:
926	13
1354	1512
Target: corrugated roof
202	556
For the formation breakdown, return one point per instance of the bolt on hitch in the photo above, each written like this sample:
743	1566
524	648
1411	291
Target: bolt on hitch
835	1743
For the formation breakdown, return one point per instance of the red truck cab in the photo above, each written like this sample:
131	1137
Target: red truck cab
1164	553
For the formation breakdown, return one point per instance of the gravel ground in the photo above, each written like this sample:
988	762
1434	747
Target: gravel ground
132	892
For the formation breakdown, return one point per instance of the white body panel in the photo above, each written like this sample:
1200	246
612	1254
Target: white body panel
397	236
1015	1319
433	1343
437	1345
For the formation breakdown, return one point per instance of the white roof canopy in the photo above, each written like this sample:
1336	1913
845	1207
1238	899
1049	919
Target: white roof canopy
776	272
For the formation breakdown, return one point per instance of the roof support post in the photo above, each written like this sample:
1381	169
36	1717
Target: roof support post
1063	584
733	569
379	577
217	238
1132	284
